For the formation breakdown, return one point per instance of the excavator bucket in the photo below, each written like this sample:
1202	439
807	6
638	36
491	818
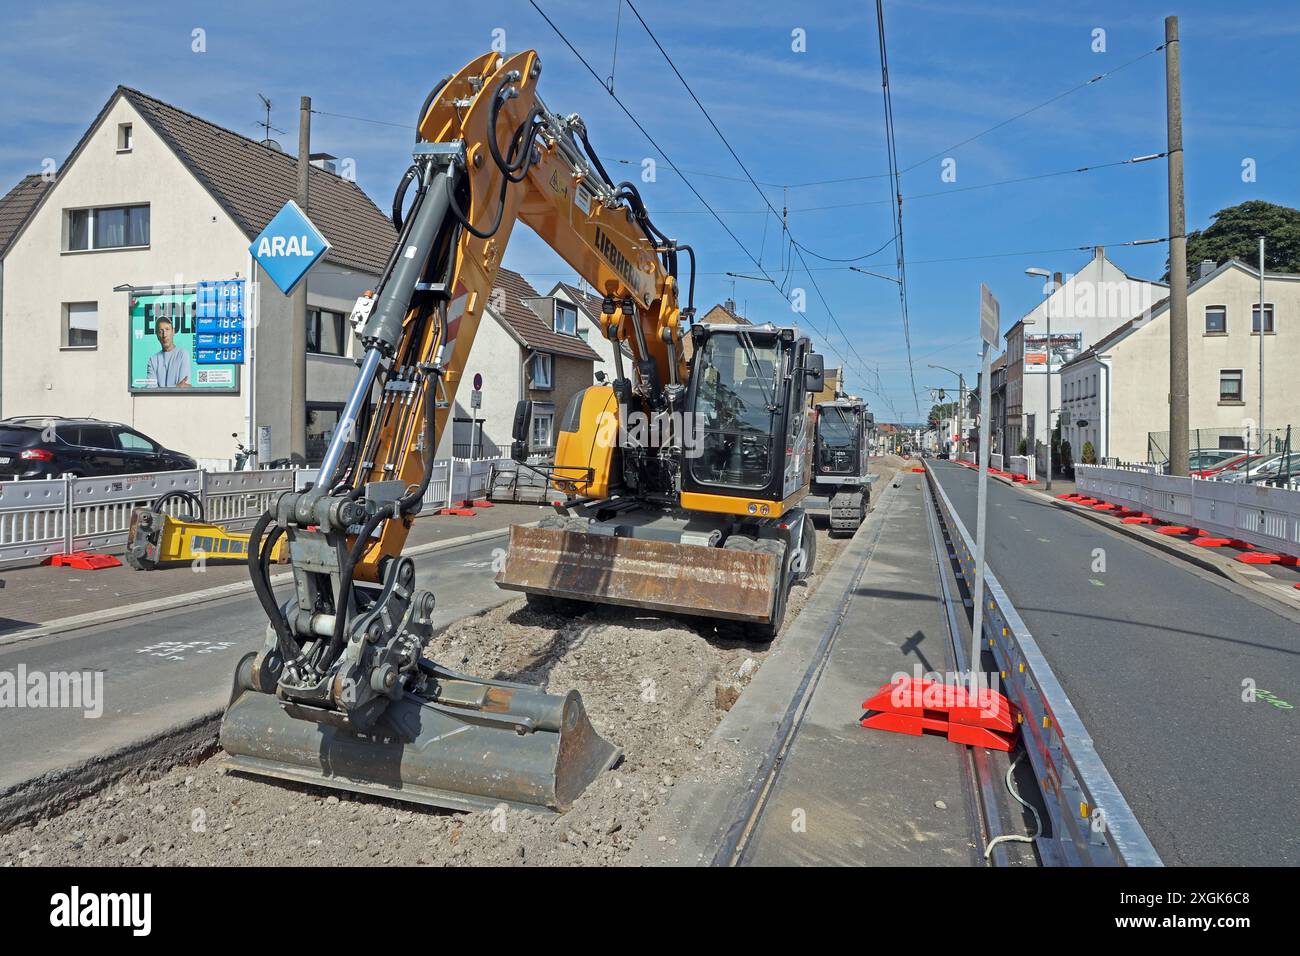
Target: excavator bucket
473	745
636	572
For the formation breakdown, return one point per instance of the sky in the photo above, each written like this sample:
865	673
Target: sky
796	90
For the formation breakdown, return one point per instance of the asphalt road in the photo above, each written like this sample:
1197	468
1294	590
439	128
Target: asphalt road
1156	656
163	669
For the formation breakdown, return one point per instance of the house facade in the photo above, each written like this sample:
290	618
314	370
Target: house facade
528	346
152	201
1116	393
1087	305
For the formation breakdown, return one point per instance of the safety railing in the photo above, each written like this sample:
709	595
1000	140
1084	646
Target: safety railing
61	515
1091	822
1262	515
1022	465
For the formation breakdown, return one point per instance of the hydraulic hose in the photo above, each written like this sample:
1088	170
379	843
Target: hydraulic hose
258	558
345	585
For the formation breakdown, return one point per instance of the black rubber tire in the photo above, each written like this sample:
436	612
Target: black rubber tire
759	633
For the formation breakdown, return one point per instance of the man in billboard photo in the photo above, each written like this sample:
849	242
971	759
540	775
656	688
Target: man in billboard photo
170	367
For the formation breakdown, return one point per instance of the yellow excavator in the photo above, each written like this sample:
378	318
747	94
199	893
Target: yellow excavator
684	476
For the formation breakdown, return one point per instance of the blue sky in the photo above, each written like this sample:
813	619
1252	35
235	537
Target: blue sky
957	68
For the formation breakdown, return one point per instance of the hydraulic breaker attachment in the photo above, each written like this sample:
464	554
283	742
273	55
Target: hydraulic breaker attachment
738	585
457	742
156	539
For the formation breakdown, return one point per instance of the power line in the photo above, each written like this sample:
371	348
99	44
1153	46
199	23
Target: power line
739	162
644	132
363	119
897	207
1023	113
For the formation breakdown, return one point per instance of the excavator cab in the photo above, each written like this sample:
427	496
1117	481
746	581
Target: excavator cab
841	460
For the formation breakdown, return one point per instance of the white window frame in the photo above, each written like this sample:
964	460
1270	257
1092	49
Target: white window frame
66	337
572	310
1220	308
542	372
1270	318
91	213
546	419
1241	386
125	137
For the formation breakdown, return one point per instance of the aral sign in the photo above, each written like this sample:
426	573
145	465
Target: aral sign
288	247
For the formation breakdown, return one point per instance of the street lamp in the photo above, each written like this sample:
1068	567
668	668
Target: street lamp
1055	282
961	402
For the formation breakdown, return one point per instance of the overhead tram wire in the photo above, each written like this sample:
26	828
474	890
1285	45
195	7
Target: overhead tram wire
896	208
739	162
1033	109
691	186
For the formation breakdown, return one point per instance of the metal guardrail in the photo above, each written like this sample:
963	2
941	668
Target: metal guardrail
1262	515
60	515
1091	822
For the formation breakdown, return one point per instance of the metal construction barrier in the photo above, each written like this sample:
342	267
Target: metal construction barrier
1091	822
1022	465
62	515
1261	515
995	460
510	482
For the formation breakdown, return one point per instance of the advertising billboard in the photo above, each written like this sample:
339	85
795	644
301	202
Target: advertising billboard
180	342
1065	346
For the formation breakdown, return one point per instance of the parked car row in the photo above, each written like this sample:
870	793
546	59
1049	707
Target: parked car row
51	446
1252	469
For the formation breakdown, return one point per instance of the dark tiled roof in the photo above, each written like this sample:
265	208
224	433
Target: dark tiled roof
530	327
252	182
17	205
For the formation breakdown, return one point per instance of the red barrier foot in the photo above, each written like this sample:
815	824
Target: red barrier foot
1265	557
1174	529
984	718
460	512
1139	518
83	561
1105	506
1212	542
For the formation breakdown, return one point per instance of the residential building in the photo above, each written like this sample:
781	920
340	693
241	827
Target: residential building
528	346
151	201
15	207
1115	393
1084	307
998	405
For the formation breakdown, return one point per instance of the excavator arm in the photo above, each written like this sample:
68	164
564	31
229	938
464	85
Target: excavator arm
342	693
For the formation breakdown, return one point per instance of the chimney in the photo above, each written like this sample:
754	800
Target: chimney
730	306
1205	268
324	161
1099	252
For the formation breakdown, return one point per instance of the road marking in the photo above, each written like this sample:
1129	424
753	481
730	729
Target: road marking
1096	582
1045	540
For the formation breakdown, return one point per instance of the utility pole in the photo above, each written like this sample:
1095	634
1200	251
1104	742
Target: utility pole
1178	414
298	301
1260	424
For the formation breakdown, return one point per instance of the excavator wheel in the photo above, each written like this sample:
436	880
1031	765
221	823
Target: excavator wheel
759	632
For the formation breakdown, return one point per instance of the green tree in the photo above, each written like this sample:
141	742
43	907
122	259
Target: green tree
1235	232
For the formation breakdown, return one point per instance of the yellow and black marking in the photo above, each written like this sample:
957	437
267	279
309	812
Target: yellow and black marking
158	540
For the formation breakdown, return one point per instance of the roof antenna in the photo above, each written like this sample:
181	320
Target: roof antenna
267	128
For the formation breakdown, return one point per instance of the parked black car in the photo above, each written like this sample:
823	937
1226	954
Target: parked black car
50	447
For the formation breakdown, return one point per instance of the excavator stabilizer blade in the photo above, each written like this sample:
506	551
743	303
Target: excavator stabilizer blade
636	572
420	752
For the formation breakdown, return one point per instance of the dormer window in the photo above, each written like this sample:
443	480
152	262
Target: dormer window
124	140
566	318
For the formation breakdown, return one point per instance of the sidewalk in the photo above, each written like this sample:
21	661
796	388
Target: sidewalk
36	595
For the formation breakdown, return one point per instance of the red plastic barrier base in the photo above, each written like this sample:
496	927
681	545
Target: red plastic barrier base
907	706
1267	557
1175	529
83	561
1212	542
460	512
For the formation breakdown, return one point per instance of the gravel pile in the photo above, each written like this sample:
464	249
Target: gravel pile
655	685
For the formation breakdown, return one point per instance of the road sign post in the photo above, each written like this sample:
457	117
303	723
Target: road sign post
475	403
989	315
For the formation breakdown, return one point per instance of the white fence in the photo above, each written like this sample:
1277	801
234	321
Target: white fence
1258	514
61	515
